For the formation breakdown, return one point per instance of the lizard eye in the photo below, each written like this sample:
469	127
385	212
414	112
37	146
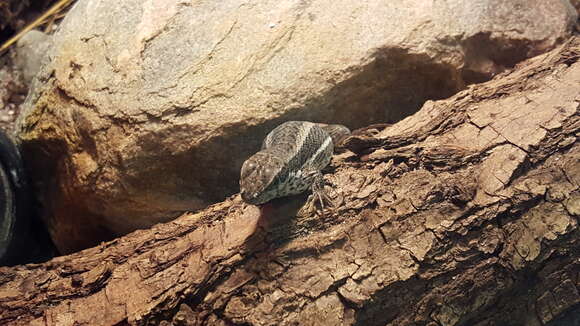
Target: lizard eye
251	166
247	169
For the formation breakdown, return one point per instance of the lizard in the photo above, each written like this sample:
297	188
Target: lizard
290	161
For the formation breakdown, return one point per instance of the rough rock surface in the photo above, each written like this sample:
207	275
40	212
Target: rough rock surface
148	108
465	213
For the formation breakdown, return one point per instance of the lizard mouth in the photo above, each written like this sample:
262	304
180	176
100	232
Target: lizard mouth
248	197
251	198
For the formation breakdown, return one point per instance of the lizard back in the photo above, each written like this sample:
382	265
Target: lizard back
302	144
291	155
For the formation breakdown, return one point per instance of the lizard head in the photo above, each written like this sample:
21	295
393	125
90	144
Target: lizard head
258	178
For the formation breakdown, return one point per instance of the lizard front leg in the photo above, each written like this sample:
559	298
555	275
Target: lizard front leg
318	193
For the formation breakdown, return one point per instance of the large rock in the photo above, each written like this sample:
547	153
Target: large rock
148	108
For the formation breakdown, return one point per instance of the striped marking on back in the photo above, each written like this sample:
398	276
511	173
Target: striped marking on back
325	146
286	131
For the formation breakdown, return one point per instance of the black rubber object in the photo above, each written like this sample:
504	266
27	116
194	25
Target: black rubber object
23	237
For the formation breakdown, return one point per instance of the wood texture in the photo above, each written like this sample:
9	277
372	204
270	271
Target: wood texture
465	213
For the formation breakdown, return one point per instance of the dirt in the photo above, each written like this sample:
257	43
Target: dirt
12	94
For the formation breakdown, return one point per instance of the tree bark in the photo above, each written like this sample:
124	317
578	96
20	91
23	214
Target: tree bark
465	213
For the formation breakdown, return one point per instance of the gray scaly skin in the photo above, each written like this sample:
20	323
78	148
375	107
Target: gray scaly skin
290	161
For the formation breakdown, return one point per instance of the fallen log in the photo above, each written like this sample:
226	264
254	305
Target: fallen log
465	213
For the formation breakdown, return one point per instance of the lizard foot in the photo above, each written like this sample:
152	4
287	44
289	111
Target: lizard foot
318	195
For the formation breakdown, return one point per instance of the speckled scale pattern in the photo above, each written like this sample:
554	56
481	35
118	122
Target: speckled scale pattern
306	147
291	158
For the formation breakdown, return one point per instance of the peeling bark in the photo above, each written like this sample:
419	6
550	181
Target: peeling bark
465	213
